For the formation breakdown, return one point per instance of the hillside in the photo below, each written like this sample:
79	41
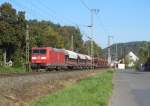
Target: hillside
124	48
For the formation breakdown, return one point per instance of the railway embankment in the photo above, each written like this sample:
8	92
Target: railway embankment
92	91
22	90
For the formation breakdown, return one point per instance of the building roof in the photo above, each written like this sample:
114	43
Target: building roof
132	56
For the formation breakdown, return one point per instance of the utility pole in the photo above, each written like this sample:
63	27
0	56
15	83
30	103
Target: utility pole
109	51
72	46
116	52
93	11
27	49
89	44
148	54
4	56
116	57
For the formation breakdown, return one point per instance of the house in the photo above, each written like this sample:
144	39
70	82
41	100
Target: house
131	58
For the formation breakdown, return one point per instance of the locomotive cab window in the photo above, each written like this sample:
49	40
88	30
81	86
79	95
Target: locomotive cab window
42	51
35	51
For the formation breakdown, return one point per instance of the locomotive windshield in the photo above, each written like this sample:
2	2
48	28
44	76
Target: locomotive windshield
42	51
39	51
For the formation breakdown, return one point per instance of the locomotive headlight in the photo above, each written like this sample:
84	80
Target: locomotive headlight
43	58
34	58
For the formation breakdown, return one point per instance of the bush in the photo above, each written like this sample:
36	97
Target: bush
7	69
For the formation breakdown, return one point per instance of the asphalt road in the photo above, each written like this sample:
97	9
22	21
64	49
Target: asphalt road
131	89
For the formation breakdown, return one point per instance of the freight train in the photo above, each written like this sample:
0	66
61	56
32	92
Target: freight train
51	58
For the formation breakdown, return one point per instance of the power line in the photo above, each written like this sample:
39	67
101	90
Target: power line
36	10
56	14
100	22
30	8
62	17
42	10
85	5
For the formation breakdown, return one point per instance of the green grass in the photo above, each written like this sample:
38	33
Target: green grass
92	91
11	69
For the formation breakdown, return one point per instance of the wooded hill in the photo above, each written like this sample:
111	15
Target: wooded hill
124	48
42	33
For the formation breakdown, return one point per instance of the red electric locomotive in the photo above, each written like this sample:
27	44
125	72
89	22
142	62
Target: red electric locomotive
47	57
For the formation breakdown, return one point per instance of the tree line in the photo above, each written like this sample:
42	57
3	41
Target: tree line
42	33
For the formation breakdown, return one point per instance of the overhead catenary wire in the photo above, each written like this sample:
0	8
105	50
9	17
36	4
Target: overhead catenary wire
51	13
85	5
60	17
33	10
101	24
40	9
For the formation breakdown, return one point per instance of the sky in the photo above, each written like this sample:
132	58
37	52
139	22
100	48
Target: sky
125	20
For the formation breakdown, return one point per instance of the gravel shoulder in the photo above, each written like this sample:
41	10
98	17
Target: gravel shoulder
17	91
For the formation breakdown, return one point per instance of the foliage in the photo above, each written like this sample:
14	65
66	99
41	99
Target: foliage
12	31
137	65
12	69
148	60
42	34
92	91
97	50
144	55
144	52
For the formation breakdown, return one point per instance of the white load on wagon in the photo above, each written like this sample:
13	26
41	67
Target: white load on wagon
82	56
71	54
88	57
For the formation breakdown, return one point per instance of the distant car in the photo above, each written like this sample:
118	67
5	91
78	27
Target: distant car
145	67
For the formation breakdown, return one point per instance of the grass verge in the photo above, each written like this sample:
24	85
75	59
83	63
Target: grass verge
12	69
92	91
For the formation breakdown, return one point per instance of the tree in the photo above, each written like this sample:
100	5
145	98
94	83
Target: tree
12	32
67	32
144	52
42	34
96	49
8	20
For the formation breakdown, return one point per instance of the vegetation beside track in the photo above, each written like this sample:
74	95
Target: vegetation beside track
12	69
92	91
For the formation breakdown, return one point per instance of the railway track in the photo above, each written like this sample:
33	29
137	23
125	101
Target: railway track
2	75
18	74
